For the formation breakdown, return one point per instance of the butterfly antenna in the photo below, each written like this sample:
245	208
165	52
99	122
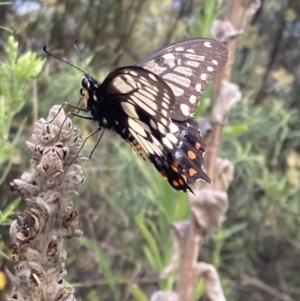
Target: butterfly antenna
60	59
76	48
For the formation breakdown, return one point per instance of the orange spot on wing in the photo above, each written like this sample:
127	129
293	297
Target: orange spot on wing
175	183
192	172
174	165
197	145
181	182
174	168
191	155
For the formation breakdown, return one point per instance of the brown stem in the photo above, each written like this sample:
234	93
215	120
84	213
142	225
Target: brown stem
251	281
187	277
235	13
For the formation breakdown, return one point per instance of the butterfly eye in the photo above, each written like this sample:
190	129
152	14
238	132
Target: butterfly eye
85	83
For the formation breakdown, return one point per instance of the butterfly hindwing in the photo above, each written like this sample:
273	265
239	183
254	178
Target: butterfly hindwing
190	149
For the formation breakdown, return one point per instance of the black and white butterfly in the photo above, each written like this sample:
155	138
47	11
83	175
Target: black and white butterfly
151	106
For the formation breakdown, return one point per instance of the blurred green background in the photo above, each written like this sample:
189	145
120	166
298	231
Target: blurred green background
124	205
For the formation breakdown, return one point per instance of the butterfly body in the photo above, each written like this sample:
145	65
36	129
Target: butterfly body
151	106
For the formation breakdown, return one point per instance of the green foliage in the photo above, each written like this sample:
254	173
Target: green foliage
138	294
18	72
7	212
5	220
207	12
262	196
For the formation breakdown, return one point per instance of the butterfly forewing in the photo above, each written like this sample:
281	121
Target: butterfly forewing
142	89
187	67
140	107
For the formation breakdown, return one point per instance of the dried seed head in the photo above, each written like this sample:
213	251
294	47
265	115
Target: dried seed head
49	217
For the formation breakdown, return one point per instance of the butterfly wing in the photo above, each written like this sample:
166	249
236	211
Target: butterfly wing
187	67
142	104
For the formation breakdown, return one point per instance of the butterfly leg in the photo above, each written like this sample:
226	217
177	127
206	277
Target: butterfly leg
72	106
84	117
76	107
100	128
59	132
68	116
85	139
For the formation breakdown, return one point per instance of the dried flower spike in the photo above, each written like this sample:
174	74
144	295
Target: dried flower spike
49	217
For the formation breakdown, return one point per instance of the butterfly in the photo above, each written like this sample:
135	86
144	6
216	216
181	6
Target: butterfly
151	106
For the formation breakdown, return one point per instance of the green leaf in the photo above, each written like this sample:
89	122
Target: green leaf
235	130
8	211
138	294
152	249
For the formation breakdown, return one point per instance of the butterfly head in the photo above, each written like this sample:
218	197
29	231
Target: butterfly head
88	90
